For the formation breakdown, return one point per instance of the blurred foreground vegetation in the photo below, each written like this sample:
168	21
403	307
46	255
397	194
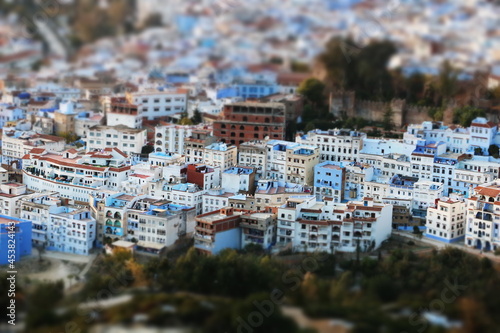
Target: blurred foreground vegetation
218	293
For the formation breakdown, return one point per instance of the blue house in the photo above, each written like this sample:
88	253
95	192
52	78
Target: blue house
329	180
21	238
255	89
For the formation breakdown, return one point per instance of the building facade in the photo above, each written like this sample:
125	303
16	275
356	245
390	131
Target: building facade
20	242
128	140
245	121
446	221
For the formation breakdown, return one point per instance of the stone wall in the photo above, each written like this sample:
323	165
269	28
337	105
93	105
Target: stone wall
345	102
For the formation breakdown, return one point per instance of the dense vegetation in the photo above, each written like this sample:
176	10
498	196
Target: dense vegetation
214	294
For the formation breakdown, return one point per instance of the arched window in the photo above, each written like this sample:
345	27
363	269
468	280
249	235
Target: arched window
233	127
242	135
158	142
245	118
158	135
242	127
256	128
223	126
109	222
233	134
266	128
266	120
118	224
118	215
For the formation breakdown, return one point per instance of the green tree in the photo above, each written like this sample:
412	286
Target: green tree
196	118
414	85
186	121
309	126
493	150
387	122
447	81
465	115
339	61
147	149
299	67
313	90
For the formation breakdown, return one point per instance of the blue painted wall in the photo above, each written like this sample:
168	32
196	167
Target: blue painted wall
22	238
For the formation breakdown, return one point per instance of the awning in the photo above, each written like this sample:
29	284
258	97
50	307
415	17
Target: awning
150	245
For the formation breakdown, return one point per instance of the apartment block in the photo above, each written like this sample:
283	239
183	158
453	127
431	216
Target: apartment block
446	221
128	140
235	229
245	121
16	144
158	224
75	175
171	137
59	226
329	181
219	230
239	179
204	176
154	223
11	194
122	112
221	155
254	154
334	145
307	225
291	162
159	103
482	216
216	199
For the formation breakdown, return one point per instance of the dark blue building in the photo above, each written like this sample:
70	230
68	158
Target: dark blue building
21	238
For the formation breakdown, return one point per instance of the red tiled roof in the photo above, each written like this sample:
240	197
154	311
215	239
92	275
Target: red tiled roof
117	150
488	191
489	124
292	78
139	176
37	151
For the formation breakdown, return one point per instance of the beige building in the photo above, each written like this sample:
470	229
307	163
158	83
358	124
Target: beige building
291	162
253	153
446	221
220	154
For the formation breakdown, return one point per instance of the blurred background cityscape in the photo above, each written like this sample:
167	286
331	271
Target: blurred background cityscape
372	65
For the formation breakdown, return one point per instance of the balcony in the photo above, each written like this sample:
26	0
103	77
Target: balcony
203	246
254	233
254	240
252	226
203	238
206	230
